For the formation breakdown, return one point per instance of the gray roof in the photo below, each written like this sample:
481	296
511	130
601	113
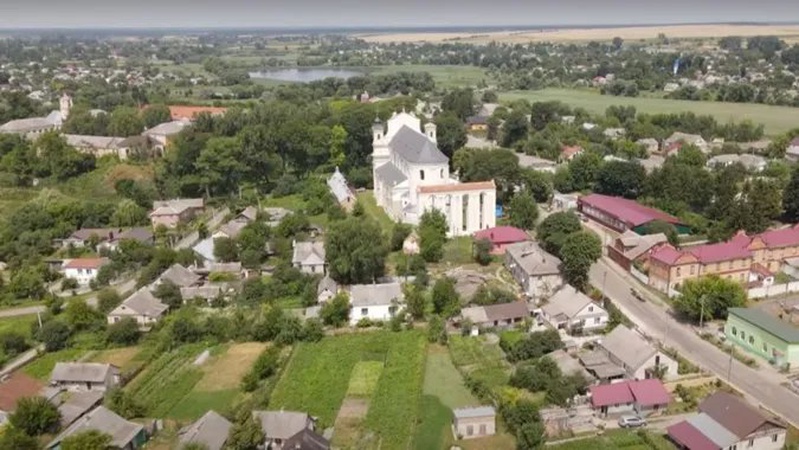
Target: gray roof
628	346
167	128
207	292
569	365
327	284
104	420
78	404
713	430
81	372
26	125
638	244
388	173
599	364
568	301
142	302
308	253
210	430
469	413
93	142
415	147
532	259
180	276
232	229
477	314
205	248
338	186
781	330
282	424
177	206
375	294
250	213
307	440
229	267
140	234
651	163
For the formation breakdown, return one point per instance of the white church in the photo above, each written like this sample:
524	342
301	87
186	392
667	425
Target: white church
411	176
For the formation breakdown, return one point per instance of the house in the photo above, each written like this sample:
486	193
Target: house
501	315
632	248
84	270
742	258
205	249
614	133
164	133
309	257
75	405
77	377
650	144
641	396
247	215
341	190
125	435
727	422
621	214
410	246
108	238
568	153
772	339
501	237
564	202
326	289
375	301
141	235
752	163
571	310
35	126
690	139
229	230
792	152
651	163
289	430
639	359
179	276
535	270
476	422
411	175
96	145
171	213
477	123
208	292
142	306
211	430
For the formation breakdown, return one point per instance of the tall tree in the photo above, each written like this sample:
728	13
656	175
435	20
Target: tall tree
709	297
790	198
515	128
578	253
125	121
539	184
553	230
355	250
245	434
450	133
35	416
446	301
584	169
432	235
460	102
220	166
155	114
523	211
620	179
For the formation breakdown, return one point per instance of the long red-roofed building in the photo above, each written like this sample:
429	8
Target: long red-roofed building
743	258
622	214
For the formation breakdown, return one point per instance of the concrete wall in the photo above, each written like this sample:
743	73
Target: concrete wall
479	426
774	290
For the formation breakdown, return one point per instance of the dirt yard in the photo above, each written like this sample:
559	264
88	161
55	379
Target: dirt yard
588	34
226	371
775	308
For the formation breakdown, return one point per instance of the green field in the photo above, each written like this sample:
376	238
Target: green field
482	361
367	200
320	374
444	76
777	119
619	439
18	324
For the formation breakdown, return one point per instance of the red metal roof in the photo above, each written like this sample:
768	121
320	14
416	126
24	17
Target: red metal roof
666	254
179	112
86	263
611	394
649	392
502	235
686	435
628	211
723	251
781	238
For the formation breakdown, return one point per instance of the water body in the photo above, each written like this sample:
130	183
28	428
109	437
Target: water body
303	75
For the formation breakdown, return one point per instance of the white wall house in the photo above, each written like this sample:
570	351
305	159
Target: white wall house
81	377
142	306
630	351
84	270
375	302
309	257
573	311
536	271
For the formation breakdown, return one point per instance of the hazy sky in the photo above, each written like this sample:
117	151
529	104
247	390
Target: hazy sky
359	13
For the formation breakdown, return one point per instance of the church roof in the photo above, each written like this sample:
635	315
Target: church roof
416	148
389	173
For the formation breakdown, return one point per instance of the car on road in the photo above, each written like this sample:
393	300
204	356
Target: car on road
631	421
637	295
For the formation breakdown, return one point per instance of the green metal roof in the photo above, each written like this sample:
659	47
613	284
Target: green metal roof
782	330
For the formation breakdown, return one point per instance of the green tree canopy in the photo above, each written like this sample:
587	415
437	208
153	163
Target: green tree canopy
450	133
553	230
355	250
621	179
522	211
124	122
336	311
155	114
709	297
446	301
432	235
580	250
87	440
35	416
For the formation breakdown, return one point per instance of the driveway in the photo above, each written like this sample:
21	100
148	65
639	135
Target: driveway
761	386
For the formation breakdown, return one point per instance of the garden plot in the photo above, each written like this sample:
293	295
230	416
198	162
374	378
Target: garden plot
349	422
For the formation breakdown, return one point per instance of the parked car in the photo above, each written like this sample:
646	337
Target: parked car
631	421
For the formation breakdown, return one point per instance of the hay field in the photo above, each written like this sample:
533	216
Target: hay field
226	370
589	34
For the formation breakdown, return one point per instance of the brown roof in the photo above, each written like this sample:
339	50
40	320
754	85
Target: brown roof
505	311
733	413
473	186
179	112
86	263
17	386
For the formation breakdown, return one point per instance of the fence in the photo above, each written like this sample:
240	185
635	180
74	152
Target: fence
640	276
774	290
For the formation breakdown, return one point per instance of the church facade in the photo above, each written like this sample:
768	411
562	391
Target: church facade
411	176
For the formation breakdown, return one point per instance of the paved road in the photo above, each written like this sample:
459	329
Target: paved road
92	301
761	386
193	237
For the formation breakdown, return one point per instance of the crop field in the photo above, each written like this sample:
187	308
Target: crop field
124	357
480	360
388	368
776	119
619	440
444	76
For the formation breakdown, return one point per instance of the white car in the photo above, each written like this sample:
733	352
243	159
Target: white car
631	421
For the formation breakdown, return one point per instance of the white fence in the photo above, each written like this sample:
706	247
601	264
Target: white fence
774	290
640	276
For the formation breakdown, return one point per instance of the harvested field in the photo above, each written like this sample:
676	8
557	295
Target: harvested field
120	357
588	34
225	371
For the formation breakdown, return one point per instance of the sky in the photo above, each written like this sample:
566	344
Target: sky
382	13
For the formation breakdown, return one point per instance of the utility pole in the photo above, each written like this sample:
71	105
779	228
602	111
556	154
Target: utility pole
701	312
729	368
604	277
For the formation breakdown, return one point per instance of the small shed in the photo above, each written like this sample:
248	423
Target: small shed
469	423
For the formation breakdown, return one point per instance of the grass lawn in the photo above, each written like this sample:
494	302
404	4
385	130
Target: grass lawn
480	360
444	76
18	324
318	378
363	380
777	119
620	439
41	367
367	199
458	250
124	357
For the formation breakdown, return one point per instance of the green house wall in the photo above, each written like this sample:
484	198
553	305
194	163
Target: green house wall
789	352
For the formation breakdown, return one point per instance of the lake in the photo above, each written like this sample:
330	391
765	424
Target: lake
303	75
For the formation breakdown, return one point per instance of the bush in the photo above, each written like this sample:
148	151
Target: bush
68	284
54	334
35	416
124	332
